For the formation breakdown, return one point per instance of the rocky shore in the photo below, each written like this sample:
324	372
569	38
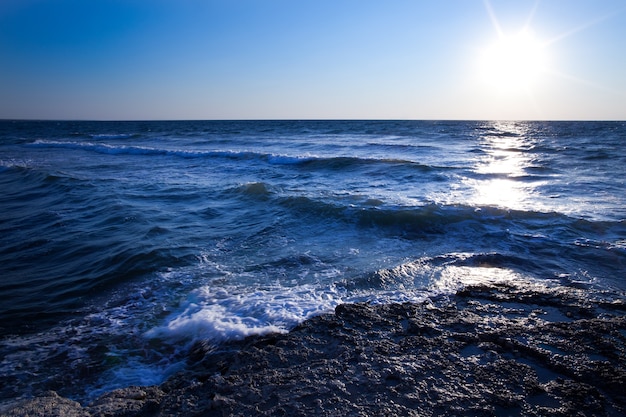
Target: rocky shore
494	349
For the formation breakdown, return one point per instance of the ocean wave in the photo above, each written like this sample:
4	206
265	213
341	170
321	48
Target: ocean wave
115	135
310	161
367	211
431	275
257	189
8	164
108	149
79	272
68	240
485	260
339	163
219	312
29	174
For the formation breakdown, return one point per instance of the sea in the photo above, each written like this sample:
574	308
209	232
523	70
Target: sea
122	244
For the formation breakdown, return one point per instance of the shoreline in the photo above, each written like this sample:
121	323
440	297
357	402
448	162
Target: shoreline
508	348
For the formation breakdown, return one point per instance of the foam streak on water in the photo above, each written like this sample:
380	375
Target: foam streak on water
122	244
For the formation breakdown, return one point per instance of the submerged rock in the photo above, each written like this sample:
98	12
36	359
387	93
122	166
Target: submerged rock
490	350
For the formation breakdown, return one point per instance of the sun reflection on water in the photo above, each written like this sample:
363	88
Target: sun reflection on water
502	179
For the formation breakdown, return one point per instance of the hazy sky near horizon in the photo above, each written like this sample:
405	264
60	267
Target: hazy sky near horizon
289	59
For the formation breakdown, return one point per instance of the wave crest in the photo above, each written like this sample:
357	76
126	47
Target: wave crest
308	161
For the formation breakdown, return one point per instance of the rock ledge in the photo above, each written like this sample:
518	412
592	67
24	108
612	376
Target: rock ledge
490	350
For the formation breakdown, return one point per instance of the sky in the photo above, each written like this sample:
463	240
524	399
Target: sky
317	59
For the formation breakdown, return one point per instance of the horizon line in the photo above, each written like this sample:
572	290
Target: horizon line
303	120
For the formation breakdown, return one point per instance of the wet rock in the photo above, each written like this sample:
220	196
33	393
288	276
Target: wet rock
132	401
48	405
498	349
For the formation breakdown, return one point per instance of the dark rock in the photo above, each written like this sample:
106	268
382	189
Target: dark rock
499	349
48	405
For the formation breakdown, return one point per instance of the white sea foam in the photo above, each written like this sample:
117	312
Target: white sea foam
229	314
112	136
99	147
105	148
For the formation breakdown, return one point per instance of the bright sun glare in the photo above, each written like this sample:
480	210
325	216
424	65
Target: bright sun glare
513	63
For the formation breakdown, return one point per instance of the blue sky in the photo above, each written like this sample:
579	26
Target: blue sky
291	59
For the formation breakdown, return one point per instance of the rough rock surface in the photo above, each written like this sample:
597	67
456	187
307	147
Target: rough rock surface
490	350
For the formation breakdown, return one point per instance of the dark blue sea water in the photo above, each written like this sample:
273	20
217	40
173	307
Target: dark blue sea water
122	243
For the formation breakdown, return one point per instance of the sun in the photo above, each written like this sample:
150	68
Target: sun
513	63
